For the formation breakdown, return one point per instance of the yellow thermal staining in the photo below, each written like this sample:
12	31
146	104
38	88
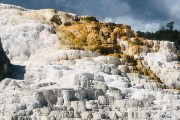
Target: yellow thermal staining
106	38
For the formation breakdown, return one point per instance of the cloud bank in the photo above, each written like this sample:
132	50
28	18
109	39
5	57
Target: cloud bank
143	15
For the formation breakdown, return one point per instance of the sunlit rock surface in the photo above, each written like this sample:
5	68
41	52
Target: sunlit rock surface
108	73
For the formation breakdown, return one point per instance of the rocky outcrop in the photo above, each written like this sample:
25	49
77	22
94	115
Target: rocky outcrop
7	6
120	41
75	67
93	35
164	63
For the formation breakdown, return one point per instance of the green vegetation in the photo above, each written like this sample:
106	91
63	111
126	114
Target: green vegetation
165	33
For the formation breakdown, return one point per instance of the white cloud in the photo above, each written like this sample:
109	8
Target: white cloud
137	25
174	9
108	19
143	15
151	26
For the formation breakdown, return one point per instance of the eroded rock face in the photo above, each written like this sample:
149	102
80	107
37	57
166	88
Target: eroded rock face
146	57
61	83
164	64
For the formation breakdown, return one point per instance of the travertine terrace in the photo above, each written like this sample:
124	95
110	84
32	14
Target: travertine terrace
65	66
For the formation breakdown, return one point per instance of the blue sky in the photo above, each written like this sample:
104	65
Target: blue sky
143	15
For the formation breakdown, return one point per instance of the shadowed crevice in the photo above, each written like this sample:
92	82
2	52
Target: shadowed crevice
17	72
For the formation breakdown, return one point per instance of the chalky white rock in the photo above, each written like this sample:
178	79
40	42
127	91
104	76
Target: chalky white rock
53	83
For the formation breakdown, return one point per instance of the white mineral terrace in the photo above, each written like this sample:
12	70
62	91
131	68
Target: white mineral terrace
54	84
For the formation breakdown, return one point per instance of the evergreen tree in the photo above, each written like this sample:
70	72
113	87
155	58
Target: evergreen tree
164	33
170	25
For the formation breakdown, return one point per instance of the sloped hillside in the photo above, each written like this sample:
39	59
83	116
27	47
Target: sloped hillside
117	40
65	66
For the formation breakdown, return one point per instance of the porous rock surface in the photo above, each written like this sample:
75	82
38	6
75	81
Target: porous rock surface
77	84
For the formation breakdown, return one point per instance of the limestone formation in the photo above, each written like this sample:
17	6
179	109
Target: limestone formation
76	67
